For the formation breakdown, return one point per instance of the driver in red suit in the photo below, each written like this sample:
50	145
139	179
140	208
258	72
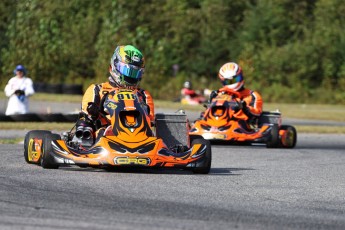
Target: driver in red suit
190	95
250	102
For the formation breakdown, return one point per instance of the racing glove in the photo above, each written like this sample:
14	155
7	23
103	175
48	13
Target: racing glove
240	105
213	94
93	110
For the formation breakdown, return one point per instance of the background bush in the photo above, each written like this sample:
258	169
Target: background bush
291	51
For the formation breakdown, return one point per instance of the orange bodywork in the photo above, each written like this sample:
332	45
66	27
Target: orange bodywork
221	122
128	141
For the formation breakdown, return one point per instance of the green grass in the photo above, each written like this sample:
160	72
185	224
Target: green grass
52	97
36	125
299	111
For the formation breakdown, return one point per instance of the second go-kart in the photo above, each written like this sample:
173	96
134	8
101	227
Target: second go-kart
220	123
129	140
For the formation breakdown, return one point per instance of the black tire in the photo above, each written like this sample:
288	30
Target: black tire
291	140
72	89
6	118
194	137
52	117
203	166
274	141
47	160
40	87
31	117
71	117
54	88
32	134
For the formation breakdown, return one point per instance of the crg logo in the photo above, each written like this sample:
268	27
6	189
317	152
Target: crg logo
132	161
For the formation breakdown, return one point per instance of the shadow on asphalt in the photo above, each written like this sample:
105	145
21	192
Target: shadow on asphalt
213	172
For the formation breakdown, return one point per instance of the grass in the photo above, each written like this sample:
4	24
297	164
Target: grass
299	111
36	125
52	97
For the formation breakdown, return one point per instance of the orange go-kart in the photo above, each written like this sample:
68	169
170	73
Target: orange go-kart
220	123
129	140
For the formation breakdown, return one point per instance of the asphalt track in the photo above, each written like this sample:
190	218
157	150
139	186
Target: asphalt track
249	187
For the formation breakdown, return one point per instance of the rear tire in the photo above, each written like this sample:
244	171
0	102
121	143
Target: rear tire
290	139
30	135
274	140
47	160
203	166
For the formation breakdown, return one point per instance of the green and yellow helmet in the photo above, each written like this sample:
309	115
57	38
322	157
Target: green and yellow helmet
127	66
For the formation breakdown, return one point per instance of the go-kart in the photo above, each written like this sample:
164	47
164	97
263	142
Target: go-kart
129	140
197	100
221	123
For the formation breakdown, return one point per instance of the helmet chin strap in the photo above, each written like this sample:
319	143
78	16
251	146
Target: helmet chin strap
115	83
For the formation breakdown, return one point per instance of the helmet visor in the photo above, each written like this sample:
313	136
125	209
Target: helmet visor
130	71
235	79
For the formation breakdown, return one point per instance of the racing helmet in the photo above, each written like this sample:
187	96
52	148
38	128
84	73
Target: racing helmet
187	84
126	66
230	74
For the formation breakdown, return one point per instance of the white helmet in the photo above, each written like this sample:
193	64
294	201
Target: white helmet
230	74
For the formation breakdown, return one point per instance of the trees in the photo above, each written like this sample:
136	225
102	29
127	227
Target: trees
292	51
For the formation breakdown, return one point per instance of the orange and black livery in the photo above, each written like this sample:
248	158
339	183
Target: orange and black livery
130	139
220	122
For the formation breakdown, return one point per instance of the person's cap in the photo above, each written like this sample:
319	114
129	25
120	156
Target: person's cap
19	68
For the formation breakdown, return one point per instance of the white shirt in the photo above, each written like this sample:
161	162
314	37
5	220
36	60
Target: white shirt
17	105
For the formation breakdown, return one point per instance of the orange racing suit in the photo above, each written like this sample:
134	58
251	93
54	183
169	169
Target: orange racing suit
253	101
253	104
95	93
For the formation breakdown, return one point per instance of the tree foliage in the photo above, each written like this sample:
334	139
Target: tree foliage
290	50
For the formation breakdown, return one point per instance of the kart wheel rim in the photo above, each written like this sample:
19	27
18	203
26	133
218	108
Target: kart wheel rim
289	138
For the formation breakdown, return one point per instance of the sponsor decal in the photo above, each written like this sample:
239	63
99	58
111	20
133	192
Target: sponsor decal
214	136
111	105
132	161
34	150
126	96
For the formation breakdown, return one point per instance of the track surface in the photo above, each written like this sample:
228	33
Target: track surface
249	187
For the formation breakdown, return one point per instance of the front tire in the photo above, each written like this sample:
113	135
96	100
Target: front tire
289	137
47	160
203	166
274	140
28	148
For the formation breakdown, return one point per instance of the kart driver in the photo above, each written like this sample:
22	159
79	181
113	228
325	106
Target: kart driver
187	90
126	70
250	102
189	94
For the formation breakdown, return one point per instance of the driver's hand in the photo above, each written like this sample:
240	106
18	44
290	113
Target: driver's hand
213	94
239	105
243	104
92	109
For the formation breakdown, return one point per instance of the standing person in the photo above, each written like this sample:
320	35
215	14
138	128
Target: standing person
126	71
250	101
18	89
